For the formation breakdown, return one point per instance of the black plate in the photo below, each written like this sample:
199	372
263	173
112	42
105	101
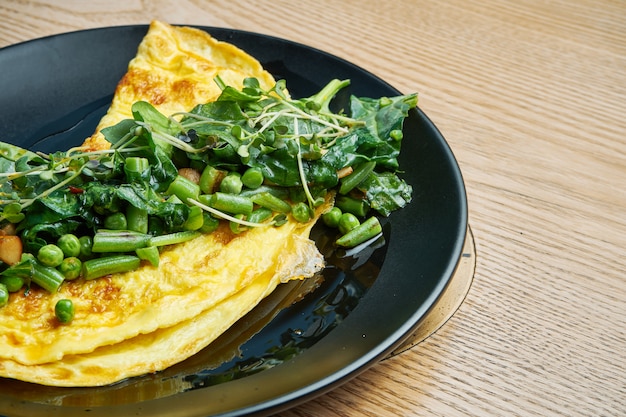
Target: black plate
52	93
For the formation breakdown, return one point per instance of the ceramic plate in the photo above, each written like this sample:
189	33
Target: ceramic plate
54	90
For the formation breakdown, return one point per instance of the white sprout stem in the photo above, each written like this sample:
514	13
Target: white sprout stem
224	215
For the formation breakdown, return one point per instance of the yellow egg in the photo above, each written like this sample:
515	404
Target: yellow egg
149	319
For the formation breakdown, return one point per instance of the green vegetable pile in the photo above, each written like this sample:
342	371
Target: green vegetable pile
251	158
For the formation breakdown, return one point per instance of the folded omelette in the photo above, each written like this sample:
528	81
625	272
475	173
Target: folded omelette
149	319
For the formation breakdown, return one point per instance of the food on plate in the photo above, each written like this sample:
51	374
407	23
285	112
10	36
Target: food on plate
192	201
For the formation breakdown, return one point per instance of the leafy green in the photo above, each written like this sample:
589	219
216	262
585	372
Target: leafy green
297	144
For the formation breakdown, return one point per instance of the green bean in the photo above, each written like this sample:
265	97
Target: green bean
150	254
231	184
12	282
231	203
136	169
173	238
210	179
235	227
331	217
259	215
69	244
4	295
279	192
301	212
271	202
46	277
50	255
119	241
71	268
366	230
116	221
209	223
183	188
64	310
347	222
252	178
99	267
357	206
195	220
361	172
137	219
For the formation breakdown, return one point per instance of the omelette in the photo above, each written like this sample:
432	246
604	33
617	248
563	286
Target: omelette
146	320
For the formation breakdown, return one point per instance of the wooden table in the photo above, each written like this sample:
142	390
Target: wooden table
531	96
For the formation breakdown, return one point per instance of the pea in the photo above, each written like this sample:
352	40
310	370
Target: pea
252	178
4	295
231	184
86	243
331	217
69	244
12	282
347	222
70	268
115	221
301	212
50	255
64	310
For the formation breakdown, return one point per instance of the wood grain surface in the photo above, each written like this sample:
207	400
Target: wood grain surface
531	96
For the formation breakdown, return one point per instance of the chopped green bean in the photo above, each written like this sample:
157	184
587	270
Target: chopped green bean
357	206
360	172
137	219
173	238
366	230
99	267
183	188
209	223
210	179
48	278
260	215
119	241
271	202
4	295
150	254
231	203
195	219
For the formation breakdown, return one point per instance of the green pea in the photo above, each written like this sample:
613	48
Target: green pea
12	282
231	184
69	244
331	217
86	243
50	255
4	295
252	178
70	268
347	222
116	221
64	310
301	212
